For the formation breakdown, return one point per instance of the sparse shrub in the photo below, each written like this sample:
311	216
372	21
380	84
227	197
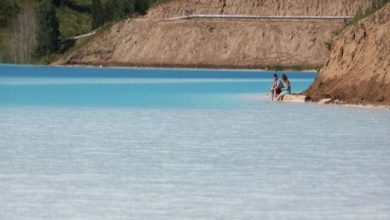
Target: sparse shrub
328	45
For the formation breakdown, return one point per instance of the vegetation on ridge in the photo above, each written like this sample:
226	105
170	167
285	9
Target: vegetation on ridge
361	14
375	6
34	31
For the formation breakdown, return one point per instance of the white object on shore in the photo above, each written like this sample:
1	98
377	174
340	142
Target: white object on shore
325	101
295	98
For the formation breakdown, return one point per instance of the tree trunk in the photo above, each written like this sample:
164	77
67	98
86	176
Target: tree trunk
23	35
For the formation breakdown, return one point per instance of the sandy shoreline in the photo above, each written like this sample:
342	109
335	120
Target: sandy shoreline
189	67
168	67
298	98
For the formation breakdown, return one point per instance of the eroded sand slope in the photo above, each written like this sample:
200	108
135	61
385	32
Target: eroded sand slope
209	44
358	68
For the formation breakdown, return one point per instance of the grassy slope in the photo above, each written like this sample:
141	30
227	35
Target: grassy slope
73	23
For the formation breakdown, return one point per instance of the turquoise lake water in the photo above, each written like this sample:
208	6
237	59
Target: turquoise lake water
90	143
136	88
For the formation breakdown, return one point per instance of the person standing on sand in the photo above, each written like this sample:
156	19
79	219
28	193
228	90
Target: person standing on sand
286	88
276	87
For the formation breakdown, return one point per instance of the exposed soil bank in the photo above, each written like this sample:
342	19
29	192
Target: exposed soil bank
213	44
358	68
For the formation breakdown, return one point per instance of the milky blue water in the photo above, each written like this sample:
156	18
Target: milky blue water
85	143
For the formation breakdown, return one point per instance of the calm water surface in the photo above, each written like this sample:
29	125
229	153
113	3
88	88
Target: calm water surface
85	143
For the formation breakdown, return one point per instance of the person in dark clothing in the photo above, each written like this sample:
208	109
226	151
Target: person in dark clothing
276	87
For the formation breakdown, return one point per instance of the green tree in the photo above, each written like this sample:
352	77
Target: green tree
97	14
8	10
57	3
118	9
48	29
142	6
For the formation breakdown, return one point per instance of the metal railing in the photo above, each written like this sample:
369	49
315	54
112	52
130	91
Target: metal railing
254	17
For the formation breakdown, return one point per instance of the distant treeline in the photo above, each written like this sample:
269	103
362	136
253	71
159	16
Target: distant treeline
30	29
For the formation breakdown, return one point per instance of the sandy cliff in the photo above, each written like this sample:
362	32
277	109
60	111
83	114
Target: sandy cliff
154	41
358	68
236	44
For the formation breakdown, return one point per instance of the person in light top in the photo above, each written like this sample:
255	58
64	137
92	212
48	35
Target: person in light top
286	88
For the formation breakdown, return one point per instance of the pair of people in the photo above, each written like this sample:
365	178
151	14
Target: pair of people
280	88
